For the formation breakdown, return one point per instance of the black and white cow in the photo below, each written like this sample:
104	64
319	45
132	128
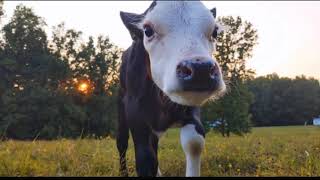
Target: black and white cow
166	75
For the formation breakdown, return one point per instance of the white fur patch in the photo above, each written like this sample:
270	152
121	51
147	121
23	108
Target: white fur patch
159	174
192	144
158	133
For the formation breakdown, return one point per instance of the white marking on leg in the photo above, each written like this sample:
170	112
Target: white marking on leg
192	144
159	172
158	134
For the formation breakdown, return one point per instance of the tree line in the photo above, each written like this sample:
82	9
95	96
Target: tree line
62	86
284	101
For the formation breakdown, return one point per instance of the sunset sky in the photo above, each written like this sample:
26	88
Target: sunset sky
289	32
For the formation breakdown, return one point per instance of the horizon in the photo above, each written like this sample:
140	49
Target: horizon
288	37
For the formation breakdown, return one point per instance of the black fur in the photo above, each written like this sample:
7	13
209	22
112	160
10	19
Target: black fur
143	108
130	20
214	12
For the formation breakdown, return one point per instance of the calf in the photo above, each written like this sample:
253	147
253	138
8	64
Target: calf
166	75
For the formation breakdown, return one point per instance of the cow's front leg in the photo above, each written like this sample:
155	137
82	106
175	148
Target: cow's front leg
145	154
192	142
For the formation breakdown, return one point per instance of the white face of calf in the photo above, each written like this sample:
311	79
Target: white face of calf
179	38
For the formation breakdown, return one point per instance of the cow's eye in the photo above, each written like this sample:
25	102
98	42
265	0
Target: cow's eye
148	31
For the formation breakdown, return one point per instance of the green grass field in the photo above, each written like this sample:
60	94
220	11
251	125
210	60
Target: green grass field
273	151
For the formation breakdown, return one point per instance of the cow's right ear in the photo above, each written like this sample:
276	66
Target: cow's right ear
214	12
131	21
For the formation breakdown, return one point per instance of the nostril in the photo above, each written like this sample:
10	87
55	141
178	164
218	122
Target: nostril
213	71
184	71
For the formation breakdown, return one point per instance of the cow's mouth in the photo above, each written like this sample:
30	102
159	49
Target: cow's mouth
196	96
201	85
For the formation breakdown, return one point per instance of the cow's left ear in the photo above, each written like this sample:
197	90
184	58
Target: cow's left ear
214	12
131	21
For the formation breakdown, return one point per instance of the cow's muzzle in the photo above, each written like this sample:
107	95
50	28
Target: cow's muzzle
198	75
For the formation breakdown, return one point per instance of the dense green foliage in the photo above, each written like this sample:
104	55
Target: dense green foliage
40	80
284	101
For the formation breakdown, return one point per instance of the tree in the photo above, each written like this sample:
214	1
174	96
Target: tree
234	48
24	42
1	9
40	113
30	77
261	88
96	64
99	64
24	34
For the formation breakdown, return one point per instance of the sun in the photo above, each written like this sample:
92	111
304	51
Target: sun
83	87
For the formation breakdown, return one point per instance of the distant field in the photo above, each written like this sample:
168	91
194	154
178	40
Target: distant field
272	151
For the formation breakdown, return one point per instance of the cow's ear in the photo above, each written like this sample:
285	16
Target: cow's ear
131	21
214	12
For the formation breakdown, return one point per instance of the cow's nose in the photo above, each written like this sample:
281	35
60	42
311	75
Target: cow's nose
198	75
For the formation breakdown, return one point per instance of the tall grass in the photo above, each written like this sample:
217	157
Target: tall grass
274	151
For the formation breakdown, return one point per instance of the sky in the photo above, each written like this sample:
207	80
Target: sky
289	40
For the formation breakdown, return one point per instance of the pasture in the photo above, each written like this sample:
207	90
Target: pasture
267	151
